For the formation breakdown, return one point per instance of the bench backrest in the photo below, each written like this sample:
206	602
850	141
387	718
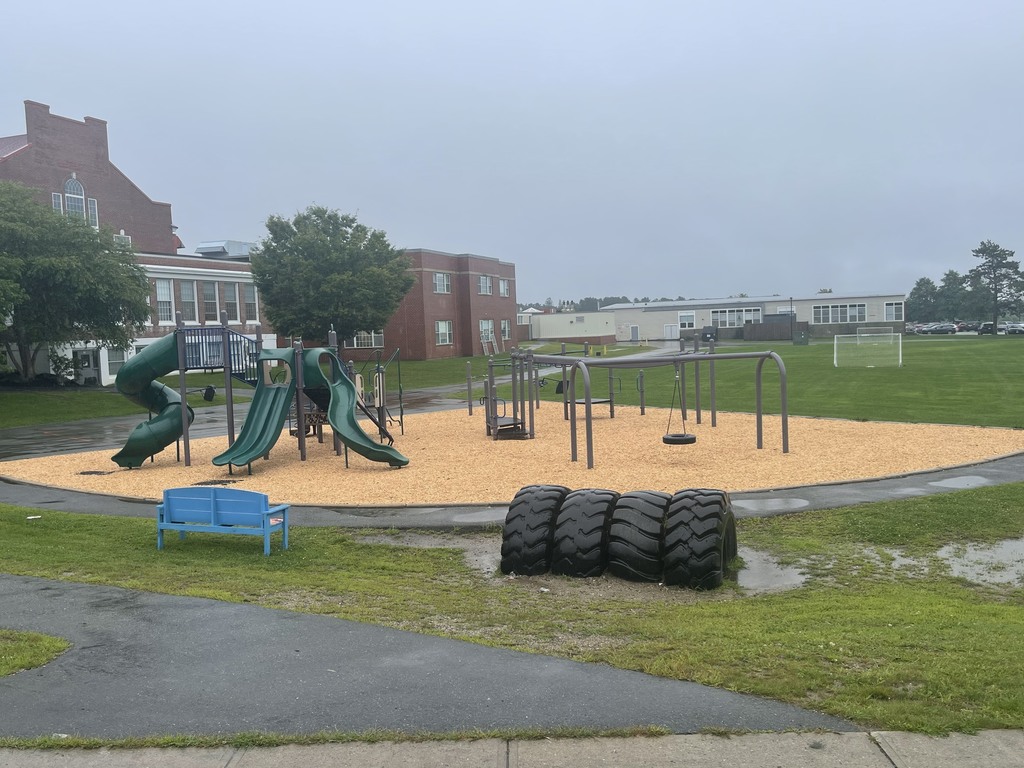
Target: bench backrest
216	506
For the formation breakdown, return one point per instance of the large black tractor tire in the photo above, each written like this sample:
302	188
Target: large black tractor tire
580	546
635	534
529	527
700	538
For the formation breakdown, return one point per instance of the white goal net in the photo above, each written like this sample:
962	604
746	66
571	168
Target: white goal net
879	347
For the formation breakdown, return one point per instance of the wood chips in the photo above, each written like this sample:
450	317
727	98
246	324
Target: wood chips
452	461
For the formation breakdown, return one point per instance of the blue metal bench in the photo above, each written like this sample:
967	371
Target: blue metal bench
220	510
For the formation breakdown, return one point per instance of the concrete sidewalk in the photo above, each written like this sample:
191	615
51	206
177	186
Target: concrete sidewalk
881	749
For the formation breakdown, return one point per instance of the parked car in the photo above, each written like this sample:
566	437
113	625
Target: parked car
1015	328
988	328
940	328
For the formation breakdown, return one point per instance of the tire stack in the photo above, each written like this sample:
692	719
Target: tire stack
684	539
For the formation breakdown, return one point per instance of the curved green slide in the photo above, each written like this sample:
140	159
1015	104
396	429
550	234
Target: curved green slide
137	381
341	414
267	414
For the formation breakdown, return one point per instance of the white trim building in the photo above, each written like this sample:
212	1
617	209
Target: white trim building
825	315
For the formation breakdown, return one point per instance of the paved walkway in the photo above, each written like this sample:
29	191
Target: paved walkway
145	664
879	749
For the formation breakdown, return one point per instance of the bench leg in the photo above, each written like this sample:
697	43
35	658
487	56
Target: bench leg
284	530
159	538
266	541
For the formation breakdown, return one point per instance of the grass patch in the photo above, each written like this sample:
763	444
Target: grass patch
31	407
970	380
27	650
918	651
255	739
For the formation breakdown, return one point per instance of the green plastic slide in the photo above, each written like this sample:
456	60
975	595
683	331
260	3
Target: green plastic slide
267	414
137	381
341	414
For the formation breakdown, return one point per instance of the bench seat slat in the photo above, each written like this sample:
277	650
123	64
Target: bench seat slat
221	510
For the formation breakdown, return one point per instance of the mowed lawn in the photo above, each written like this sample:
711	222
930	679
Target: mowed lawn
867	637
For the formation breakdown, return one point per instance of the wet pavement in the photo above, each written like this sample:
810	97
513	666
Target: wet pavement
138	667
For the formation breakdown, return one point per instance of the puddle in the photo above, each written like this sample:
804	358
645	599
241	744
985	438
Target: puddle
999	564
762	573
963	482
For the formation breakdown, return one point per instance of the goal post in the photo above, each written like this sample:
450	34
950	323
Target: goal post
883	330
868	350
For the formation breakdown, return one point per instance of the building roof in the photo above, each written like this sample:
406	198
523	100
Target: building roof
738	301
224	249
11	144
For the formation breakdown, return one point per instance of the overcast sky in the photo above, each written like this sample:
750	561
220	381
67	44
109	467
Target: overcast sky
700	148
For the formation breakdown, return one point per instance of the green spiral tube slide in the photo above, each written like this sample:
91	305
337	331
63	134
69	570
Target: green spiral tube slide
137	381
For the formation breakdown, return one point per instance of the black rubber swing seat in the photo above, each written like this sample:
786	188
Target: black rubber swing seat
679	438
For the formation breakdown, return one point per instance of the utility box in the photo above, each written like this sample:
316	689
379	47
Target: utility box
709	333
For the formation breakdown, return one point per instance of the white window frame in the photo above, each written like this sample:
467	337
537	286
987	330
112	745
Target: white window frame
442	282
834	314
485	285
122	238
254	317
57	200
189	302
506	329
366	340
231	302
487	330
93	212
894	311
165	304
688	319
208	316
504	287
735	317
74	197
113	362
522	319
443	333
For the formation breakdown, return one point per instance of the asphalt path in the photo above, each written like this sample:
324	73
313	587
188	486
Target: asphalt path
144	664
147	664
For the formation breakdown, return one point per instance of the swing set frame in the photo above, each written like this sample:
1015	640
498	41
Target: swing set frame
526	382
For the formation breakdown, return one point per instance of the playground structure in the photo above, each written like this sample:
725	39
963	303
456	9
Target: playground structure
526	382
378	394
285	379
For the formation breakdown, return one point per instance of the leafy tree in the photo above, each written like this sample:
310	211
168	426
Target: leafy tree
950	297
1000	274
977	298
323	268
920	304
62	281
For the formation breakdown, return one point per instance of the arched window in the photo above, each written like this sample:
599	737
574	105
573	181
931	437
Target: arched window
74	197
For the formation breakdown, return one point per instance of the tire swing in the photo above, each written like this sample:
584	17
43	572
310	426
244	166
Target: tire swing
677	438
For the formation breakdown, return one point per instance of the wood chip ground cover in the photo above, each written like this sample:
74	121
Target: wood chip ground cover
452	461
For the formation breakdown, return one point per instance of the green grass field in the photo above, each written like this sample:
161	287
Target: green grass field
953	380
890	648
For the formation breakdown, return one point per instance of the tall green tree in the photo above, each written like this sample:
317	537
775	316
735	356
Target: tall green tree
977	298
1000	274
950	297
62	281
920	304
323	268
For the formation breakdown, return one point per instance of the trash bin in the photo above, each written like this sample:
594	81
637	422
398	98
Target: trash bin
709	333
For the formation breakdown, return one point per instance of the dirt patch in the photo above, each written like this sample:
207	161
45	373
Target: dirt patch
452	461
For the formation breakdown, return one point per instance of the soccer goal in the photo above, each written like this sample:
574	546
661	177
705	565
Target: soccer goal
869	348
